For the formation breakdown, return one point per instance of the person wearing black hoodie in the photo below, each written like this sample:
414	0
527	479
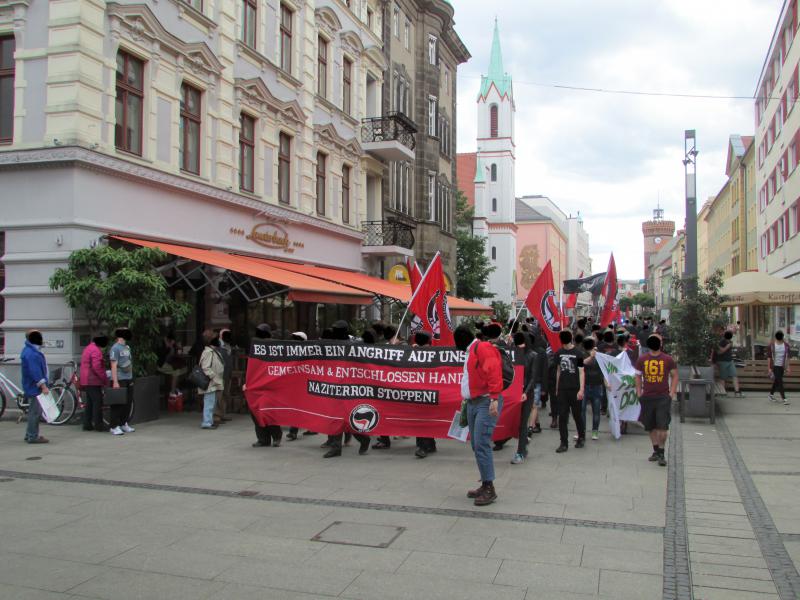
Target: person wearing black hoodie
269	435
340	330
531	380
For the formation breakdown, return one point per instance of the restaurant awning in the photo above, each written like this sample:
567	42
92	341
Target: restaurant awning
756	288
373	285
299	287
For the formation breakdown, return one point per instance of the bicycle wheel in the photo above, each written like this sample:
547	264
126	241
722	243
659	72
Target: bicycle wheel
2	403
66	402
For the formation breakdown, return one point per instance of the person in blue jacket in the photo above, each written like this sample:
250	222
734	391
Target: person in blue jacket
34	382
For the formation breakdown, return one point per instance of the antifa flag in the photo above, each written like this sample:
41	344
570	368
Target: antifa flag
541	303
572	299
429	303
332	387
611	306
414	277
592	283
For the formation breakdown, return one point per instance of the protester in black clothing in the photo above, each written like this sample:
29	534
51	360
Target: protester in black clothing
529	395
425	445
341	331
552	378
269	435
594	387
569	389
606	343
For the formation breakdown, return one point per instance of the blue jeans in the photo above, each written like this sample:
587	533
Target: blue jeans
209	400
34	414
593	394
481	426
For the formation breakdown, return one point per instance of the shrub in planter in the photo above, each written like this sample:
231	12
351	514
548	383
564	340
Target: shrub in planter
695	319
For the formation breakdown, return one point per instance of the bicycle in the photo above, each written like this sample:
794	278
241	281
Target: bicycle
64	396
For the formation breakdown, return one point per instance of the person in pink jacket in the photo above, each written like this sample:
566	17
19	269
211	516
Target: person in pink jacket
93	380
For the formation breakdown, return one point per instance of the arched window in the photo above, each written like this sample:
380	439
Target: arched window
494	252
493	120
494	172
494	204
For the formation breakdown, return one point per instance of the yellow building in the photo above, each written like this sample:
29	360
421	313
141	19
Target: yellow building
702	240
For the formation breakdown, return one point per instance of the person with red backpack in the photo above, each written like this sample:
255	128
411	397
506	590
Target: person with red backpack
481	387
778	357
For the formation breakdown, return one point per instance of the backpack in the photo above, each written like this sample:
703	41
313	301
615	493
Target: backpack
506	362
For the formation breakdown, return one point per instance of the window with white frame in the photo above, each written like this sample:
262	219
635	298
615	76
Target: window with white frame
431	196
432	110
432	50
407	35
396	21
286	38
322	67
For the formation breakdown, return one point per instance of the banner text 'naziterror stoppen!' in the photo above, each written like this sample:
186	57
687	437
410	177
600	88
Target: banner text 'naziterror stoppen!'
331	387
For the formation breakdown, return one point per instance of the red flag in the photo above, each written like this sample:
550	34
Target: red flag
611	307
541	303
429	303
572	299
414	274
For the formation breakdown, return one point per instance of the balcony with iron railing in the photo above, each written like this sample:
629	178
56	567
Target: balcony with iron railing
387	238
390	138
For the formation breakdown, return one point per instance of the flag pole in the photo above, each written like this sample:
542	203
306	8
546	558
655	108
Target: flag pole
414	295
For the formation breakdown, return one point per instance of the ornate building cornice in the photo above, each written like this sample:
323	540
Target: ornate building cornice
80	157
327	136
256	93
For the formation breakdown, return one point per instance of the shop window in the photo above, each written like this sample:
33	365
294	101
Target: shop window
247	152
286	38
284	167
321	182
345	194
322	67
249	22
129	103
190	129
347	84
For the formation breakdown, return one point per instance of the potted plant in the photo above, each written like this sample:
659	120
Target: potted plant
695	320
115	287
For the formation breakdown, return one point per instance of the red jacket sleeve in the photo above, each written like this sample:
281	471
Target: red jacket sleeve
490	367
98	367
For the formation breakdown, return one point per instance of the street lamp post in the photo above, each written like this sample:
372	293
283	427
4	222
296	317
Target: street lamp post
690	168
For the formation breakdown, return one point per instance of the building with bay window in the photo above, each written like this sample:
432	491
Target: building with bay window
230	126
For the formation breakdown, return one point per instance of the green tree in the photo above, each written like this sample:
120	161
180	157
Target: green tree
695	318
502	311
625	303
472	265
644	300
115	287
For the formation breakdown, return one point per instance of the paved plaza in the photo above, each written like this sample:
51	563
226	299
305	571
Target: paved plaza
174	512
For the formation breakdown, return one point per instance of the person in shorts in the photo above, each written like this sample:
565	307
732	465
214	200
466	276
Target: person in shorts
723	357
656	386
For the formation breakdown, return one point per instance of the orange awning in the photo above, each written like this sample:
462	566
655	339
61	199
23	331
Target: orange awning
373	285
300	287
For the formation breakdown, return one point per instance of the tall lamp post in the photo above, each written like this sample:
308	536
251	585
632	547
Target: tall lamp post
690	168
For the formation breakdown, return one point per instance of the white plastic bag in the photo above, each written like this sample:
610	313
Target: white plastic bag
50	409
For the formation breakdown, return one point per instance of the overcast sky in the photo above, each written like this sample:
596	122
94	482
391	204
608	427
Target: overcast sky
610	156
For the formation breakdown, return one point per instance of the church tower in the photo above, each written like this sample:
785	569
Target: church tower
494	181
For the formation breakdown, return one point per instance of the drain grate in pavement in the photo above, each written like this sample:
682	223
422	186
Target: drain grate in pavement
34	458
359	534
247	493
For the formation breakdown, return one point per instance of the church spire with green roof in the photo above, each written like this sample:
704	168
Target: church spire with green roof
496	75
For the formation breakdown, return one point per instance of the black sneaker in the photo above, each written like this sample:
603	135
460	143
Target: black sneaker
662	460
654	456
562	448
363	446
332	452
580	443
421	453
537	428
291	436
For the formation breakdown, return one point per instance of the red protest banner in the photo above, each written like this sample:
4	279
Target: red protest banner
331	387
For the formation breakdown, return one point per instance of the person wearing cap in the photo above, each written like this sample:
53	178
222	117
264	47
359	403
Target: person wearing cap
93	379
34	382
481	387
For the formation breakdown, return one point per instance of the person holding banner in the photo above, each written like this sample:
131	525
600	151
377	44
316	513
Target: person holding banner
481	385
34	382
656	386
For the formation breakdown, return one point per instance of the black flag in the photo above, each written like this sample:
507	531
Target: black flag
593	284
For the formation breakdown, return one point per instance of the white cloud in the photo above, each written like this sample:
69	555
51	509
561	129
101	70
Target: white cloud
609	156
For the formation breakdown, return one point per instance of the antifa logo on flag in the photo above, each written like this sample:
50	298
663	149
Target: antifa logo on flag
550	311
433	316
447	317
364	418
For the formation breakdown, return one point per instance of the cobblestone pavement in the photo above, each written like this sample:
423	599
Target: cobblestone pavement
174	512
